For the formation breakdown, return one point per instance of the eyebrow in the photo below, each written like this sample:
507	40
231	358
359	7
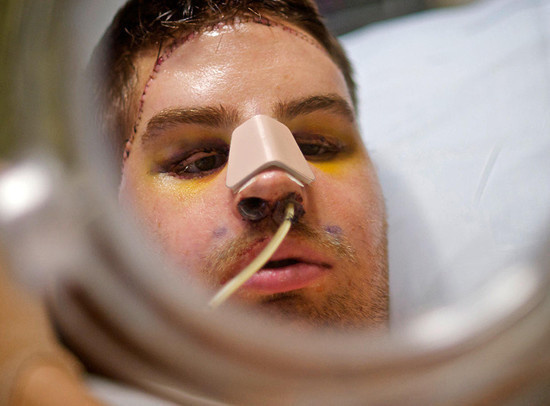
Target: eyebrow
208	116
287	110
224	117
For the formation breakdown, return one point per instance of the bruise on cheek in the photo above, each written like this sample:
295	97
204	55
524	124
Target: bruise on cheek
182	189
330	167
219	232
341	166
333	229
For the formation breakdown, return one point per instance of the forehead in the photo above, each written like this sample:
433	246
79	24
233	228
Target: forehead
247	66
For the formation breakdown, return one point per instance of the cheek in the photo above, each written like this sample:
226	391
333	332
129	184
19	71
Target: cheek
351	179
339	168
350	196
181	217
346	166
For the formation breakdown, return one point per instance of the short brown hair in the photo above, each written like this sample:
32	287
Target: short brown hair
147	24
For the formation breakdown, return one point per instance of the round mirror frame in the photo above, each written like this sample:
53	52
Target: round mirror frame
446	356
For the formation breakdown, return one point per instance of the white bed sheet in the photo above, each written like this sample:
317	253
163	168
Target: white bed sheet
455	110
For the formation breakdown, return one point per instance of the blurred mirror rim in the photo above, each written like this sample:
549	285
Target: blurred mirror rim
428	339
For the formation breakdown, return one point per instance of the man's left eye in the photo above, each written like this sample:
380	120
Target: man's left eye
318	149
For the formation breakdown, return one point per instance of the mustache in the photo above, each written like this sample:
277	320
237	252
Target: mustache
221	261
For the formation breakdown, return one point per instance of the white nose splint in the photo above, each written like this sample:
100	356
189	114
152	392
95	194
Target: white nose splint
262	142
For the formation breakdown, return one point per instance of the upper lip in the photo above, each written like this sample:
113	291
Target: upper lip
291	248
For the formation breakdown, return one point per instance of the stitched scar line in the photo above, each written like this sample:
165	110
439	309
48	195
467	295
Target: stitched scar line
169	50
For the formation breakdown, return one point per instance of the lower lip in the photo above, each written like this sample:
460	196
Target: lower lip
278	280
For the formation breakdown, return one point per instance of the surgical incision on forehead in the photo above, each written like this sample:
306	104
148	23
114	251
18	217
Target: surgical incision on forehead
169	50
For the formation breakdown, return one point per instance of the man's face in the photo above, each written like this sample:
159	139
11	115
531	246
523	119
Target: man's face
332	267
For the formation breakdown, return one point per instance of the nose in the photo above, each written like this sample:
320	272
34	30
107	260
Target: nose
267	195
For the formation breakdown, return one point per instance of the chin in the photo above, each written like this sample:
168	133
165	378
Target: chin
305	310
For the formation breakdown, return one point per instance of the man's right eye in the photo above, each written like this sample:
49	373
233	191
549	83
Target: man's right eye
199	163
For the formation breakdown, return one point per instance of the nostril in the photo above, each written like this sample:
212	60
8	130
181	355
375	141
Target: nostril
281	205
254	208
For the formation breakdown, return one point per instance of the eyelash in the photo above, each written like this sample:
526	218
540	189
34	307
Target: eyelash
212	159
189	167
323	148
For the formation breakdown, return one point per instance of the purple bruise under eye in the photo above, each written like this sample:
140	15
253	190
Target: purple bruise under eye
334	230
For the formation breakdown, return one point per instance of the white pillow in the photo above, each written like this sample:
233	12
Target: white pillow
455	110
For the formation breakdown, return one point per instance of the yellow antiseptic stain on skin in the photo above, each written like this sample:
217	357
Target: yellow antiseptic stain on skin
184	189
340	166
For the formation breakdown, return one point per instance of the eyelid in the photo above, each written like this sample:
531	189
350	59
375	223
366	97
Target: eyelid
170	165
197	155
316	147
183	150
188	154
333	142
303	135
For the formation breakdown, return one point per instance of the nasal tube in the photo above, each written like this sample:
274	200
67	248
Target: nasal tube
231	287
258	144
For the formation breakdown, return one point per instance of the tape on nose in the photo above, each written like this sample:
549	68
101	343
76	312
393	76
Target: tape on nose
262	142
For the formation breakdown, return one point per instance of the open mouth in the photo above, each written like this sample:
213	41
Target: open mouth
281	263
285	275
295	265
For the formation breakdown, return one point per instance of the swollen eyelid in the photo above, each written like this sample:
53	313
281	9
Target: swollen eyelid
318	147
198	163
